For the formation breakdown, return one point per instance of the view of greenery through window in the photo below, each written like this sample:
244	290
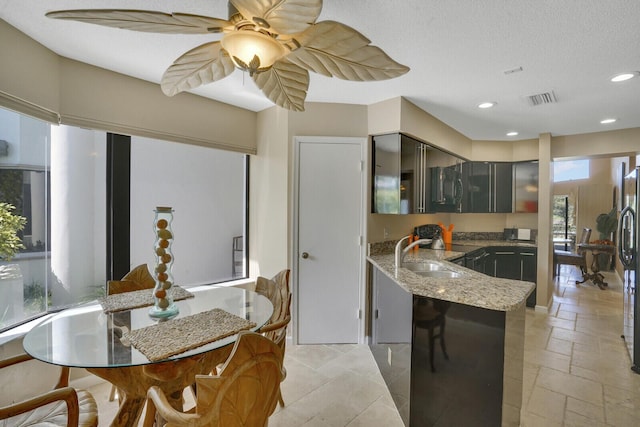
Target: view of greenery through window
564	215
564	218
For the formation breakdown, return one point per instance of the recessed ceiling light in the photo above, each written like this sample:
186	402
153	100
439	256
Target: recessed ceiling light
624	76
607	121
512	133
487	104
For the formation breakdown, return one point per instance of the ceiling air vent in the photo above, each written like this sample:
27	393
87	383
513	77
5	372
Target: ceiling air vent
542	98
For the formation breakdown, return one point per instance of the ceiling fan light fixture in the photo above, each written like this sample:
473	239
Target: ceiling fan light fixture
252	51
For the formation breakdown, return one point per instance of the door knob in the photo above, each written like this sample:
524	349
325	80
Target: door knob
305	255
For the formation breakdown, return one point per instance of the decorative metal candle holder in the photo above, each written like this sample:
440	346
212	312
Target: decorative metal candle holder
164	306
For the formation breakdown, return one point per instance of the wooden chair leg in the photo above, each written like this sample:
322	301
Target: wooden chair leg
442	344
431	342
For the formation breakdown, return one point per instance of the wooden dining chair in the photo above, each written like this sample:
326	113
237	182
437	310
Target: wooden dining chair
243	393
137	279
430	314
575	257
278	291
62	406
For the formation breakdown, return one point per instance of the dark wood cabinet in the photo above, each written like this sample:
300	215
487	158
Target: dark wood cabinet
400	184
477	260
488	187
459	261
504	262
529	270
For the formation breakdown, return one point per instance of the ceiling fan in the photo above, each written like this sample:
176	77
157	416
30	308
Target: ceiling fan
276	41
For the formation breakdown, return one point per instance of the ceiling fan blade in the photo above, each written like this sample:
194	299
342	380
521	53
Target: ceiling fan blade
205	64
283	16
145	20
285	84
337	50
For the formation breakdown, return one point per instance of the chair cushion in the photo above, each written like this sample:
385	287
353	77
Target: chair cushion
566	253
55	414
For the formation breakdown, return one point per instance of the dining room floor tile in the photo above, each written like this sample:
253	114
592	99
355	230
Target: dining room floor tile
576	371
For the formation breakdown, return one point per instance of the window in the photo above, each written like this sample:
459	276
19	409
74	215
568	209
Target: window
564	222
570	170
206	189
56	177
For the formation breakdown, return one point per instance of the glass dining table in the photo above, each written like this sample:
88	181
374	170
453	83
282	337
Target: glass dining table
87	337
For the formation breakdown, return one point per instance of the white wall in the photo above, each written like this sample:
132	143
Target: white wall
205	187
269	213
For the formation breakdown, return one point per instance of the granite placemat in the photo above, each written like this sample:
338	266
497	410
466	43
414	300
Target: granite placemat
136	299
158	342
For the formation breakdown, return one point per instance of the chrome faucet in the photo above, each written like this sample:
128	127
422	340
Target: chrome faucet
400	253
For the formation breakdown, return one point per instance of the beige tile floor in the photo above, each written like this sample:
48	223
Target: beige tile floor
576	371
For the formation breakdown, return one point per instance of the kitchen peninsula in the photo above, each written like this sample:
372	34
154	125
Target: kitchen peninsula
450	344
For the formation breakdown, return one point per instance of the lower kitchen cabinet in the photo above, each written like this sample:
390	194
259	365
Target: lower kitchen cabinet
391	310
506	262
477	260
529	270
518	263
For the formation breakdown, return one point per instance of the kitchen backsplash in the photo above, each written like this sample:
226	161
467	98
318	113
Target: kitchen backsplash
463	235
388	246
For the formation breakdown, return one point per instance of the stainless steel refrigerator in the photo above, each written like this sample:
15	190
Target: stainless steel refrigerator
628	243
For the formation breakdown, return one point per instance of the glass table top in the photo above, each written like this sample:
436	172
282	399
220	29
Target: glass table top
86	337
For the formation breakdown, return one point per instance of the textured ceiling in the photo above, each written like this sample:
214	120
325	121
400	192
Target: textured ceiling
458	52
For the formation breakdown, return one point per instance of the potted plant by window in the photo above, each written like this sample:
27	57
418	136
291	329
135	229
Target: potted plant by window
10	225
606	224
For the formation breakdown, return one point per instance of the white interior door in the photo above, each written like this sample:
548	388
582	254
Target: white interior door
329	242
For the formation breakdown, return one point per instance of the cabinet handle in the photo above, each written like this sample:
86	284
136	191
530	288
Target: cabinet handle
527	254
505	253
493	192
521	270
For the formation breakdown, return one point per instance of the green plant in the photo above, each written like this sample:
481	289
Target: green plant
606	223
36	299
10	225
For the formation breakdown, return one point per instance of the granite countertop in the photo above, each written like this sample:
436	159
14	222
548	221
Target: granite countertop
471	288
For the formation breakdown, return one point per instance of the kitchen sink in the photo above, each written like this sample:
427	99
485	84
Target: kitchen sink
438	274
430	269
424	266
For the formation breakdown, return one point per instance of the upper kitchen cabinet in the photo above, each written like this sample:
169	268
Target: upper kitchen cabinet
500	187
525	188
399	173
488	187
445	172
